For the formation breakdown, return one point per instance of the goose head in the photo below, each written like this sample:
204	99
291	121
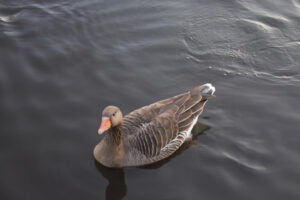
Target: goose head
111	117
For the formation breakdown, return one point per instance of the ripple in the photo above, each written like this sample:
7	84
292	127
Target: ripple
288	79
263	50
245	163
296	4
5	18
260	24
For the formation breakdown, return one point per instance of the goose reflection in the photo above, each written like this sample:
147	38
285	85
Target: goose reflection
117	189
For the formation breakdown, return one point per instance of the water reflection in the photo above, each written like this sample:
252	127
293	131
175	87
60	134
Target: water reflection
117	189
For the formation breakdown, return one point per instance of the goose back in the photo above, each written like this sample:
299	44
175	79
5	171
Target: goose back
154	132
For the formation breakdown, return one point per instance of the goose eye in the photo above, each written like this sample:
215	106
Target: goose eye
114	114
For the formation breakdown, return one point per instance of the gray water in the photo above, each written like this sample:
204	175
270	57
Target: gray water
63	61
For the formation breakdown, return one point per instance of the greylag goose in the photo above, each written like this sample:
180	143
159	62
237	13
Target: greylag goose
150	133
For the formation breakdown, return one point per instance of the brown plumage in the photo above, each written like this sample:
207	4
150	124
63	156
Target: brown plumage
151	133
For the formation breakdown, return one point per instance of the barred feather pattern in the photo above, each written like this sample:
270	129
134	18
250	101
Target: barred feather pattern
158	130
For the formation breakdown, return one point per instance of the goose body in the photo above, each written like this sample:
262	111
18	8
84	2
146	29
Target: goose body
150	133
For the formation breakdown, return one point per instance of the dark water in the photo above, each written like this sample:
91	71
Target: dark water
63	61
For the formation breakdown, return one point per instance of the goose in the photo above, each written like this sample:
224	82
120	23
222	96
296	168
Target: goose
151	133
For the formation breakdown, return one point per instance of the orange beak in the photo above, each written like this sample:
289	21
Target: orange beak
105	124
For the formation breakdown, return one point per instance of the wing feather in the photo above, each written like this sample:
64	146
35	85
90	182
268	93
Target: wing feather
158	127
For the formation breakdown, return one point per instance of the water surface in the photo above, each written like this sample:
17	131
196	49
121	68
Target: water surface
62	62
